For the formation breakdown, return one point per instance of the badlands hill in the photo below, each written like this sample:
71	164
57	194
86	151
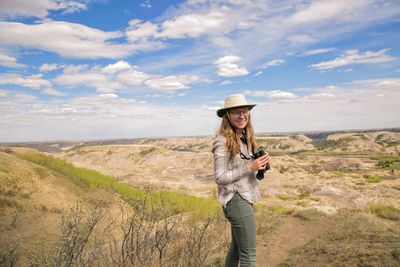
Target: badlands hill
330	198
333	170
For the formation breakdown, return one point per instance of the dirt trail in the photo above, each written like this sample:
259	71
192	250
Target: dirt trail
292	233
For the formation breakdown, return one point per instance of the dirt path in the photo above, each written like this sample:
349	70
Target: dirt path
292	233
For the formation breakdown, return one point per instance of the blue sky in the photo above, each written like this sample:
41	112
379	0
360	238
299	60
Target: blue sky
122	69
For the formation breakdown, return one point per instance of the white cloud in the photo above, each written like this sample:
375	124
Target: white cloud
275	95
53	92
277	27
99	116
271	63
224	41
389	83
3	93
300	39
258	74
142	36
146	4
110	95
319	11
191	25
354	105
226	82
38	8
122	75
133	77
172	82
91	78
355	57
24	98
10	62
362	104
78	41
34	82
139	31
317	51
228	27
319	97
120	65
227	67
49	67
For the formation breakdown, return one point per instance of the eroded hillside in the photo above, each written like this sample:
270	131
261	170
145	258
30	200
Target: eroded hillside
321	189
328	172
32	200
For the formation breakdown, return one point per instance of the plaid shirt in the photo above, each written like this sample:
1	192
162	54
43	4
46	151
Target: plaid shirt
233	174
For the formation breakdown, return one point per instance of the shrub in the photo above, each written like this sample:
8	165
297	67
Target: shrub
385	211
10	255
5	150
322	144
389	162
375	179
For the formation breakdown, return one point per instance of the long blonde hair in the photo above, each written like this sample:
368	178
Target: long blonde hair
227	130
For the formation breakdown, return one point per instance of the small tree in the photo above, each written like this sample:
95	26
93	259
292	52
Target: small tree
75	234
10	256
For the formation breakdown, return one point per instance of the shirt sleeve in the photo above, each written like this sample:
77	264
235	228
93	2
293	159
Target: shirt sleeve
223	175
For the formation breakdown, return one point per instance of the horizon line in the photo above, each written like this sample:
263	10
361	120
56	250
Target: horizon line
191	136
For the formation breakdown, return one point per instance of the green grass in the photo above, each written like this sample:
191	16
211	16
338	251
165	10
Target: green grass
5	167
286	197
375	179
302	195
91	179
385	211
273	209
386	143
322	144
321	153
388	162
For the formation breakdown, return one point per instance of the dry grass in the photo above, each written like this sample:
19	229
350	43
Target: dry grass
34	194
360	240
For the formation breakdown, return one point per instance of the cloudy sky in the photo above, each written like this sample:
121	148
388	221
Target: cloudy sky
100	69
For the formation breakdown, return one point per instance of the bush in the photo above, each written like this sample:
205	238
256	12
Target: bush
139	234
385	211
375	179
9	256
322	144
389	162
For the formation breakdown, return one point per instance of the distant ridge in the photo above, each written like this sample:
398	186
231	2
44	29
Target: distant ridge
323	134
59	145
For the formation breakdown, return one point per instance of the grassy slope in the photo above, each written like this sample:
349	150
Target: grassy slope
32	199
91	179
40	186
360	239
35	189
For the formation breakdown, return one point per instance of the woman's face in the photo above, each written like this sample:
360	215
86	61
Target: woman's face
239	117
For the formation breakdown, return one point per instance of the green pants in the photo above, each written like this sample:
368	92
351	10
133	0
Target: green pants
240	214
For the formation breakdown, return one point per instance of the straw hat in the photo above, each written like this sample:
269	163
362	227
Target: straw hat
234	101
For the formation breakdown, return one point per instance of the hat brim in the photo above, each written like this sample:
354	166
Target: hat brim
221	111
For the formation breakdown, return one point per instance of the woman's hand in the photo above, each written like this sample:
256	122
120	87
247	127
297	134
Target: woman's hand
259	164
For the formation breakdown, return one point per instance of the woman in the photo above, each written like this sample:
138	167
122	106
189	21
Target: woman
235	176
